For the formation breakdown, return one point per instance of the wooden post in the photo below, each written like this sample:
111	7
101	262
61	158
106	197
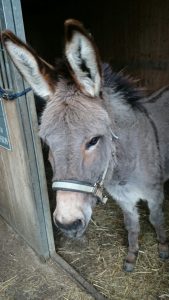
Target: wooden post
23	192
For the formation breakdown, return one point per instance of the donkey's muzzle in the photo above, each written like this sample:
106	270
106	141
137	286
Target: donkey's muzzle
73	227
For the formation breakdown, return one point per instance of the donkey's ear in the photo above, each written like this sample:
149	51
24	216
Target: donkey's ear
83	58
38	73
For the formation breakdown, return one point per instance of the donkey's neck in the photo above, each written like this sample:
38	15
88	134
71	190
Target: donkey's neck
121	113
127	124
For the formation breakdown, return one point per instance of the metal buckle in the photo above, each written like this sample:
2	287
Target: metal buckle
5	96
99	192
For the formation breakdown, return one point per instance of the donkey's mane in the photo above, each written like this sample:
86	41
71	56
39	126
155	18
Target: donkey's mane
121	84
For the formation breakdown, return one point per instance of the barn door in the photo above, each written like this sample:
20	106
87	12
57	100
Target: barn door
23	192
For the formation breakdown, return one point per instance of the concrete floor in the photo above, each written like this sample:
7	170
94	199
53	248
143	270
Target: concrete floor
24	277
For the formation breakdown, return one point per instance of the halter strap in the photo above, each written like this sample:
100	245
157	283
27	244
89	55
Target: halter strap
74	185
84	187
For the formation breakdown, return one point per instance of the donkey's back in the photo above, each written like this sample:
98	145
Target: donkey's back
157	107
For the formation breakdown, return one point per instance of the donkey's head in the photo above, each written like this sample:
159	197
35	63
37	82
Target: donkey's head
75	124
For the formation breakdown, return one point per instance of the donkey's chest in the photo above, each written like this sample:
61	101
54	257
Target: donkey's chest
127	195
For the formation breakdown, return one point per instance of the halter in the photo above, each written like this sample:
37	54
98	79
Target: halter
84	187
97	189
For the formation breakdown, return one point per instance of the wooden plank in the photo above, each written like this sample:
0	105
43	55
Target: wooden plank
23	192
134	35
17	182
77	277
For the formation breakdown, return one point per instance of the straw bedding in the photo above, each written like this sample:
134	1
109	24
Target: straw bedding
99	256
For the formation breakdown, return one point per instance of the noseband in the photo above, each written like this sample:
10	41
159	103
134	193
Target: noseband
96	189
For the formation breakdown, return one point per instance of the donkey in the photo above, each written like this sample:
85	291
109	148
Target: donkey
100	131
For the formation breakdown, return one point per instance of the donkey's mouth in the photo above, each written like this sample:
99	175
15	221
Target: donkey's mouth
74	230
78	235
73	234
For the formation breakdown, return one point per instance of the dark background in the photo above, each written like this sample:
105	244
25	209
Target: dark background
133	34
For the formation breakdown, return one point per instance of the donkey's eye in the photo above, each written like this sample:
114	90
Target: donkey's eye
92	142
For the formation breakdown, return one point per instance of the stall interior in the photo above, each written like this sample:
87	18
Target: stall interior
134	37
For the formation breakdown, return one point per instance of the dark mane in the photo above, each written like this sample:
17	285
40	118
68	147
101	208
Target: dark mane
117	81
122	84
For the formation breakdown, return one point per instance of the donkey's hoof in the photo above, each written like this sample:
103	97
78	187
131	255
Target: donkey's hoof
130	261
164	255
163	251
128	266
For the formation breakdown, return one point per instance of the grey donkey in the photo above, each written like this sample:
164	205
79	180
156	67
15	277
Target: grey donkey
100	131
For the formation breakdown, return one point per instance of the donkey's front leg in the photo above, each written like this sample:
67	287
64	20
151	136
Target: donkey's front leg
131	221
157	220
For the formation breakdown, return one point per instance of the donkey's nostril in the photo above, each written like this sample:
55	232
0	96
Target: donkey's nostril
76	225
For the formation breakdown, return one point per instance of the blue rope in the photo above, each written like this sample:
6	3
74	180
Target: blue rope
5	94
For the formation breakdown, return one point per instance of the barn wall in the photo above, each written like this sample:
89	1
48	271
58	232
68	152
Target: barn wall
141	44
133	34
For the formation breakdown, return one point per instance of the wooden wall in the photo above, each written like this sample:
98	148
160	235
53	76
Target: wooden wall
133	34
23	192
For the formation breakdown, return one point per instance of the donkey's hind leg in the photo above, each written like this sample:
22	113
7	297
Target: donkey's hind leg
157	220
131	221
